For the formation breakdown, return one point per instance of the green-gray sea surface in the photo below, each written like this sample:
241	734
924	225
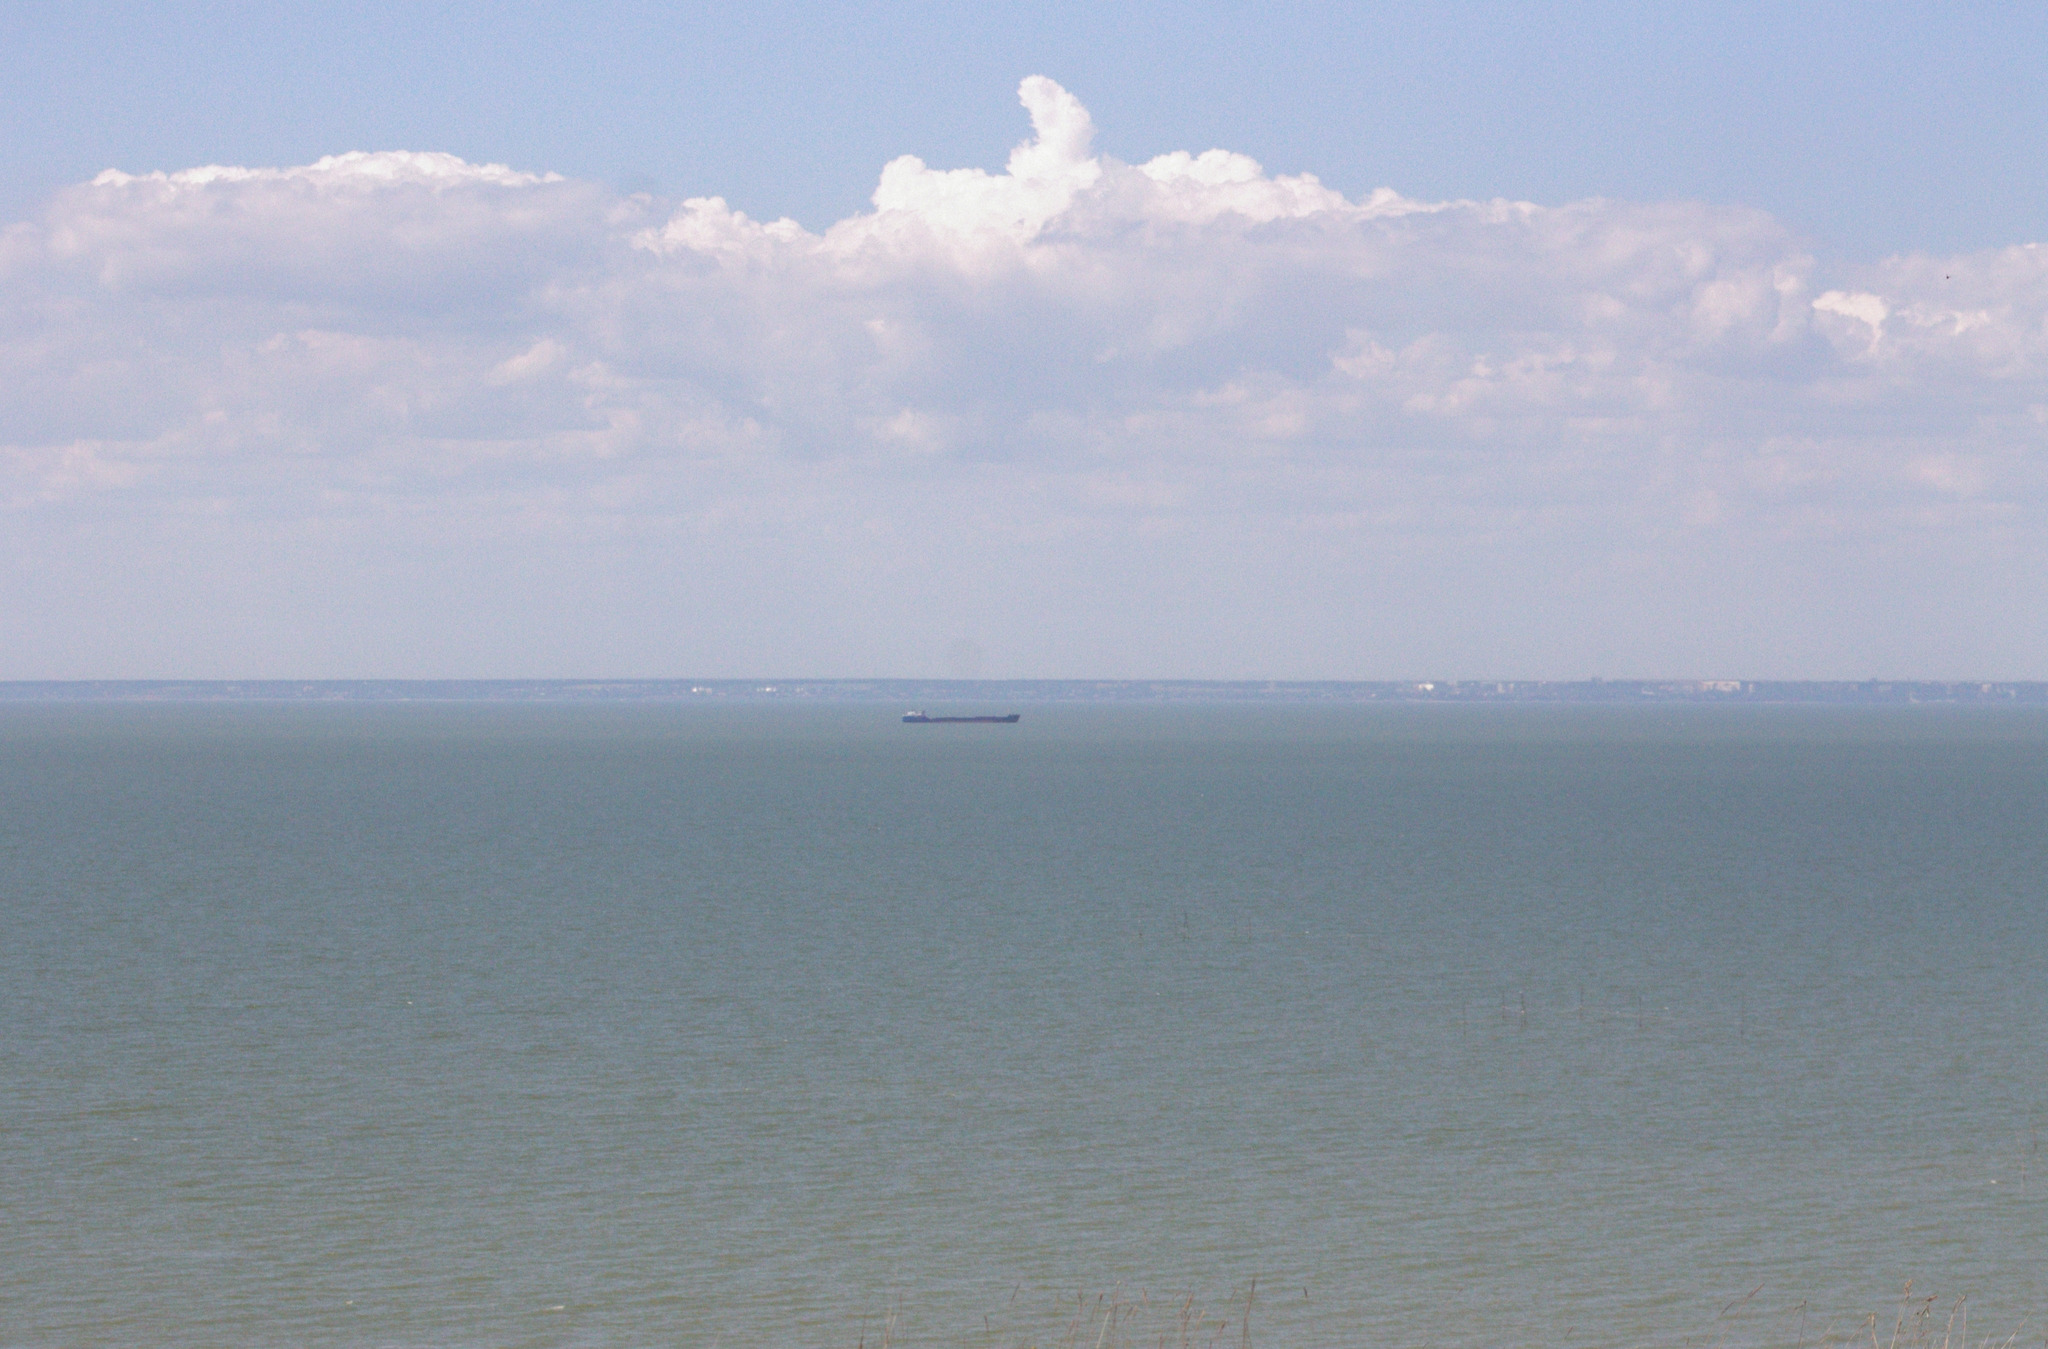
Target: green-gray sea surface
674	1025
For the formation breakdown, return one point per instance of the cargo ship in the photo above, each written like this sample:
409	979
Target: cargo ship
920	719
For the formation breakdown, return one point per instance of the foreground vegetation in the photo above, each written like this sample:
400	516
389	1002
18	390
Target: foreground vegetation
1123	1319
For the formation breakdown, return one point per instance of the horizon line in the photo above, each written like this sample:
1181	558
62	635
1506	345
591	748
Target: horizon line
892	688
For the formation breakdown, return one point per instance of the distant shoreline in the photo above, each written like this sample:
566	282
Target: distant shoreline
1609	692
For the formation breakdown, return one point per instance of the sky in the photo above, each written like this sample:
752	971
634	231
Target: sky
1140	341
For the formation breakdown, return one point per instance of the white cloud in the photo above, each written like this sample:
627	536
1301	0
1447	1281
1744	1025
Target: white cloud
359	169
1079	386
1867	309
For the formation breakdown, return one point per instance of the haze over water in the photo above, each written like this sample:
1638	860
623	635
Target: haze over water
666	1025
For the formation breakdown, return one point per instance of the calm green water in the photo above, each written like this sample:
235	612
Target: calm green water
671	1026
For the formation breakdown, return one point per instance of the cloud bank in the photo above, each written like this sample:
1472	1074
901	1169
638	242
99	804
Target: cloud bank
395	413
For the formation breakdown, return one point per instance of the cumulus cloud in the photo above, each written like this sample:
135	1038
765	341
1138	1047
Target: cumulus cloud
1185	387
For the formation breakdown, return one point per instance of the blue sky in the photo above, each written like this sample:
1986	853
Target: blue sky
1867	128
1361	342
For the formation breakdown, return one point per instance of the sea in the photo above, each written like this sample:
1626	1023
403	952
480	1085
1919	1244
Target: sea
664	1024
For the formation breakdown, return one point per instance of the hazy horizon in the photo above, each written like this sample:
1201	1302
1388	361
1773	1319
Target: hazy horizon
1591	692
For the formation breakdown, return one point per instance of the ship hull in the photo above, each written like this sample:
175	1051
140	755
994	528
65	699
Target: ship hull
920	719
